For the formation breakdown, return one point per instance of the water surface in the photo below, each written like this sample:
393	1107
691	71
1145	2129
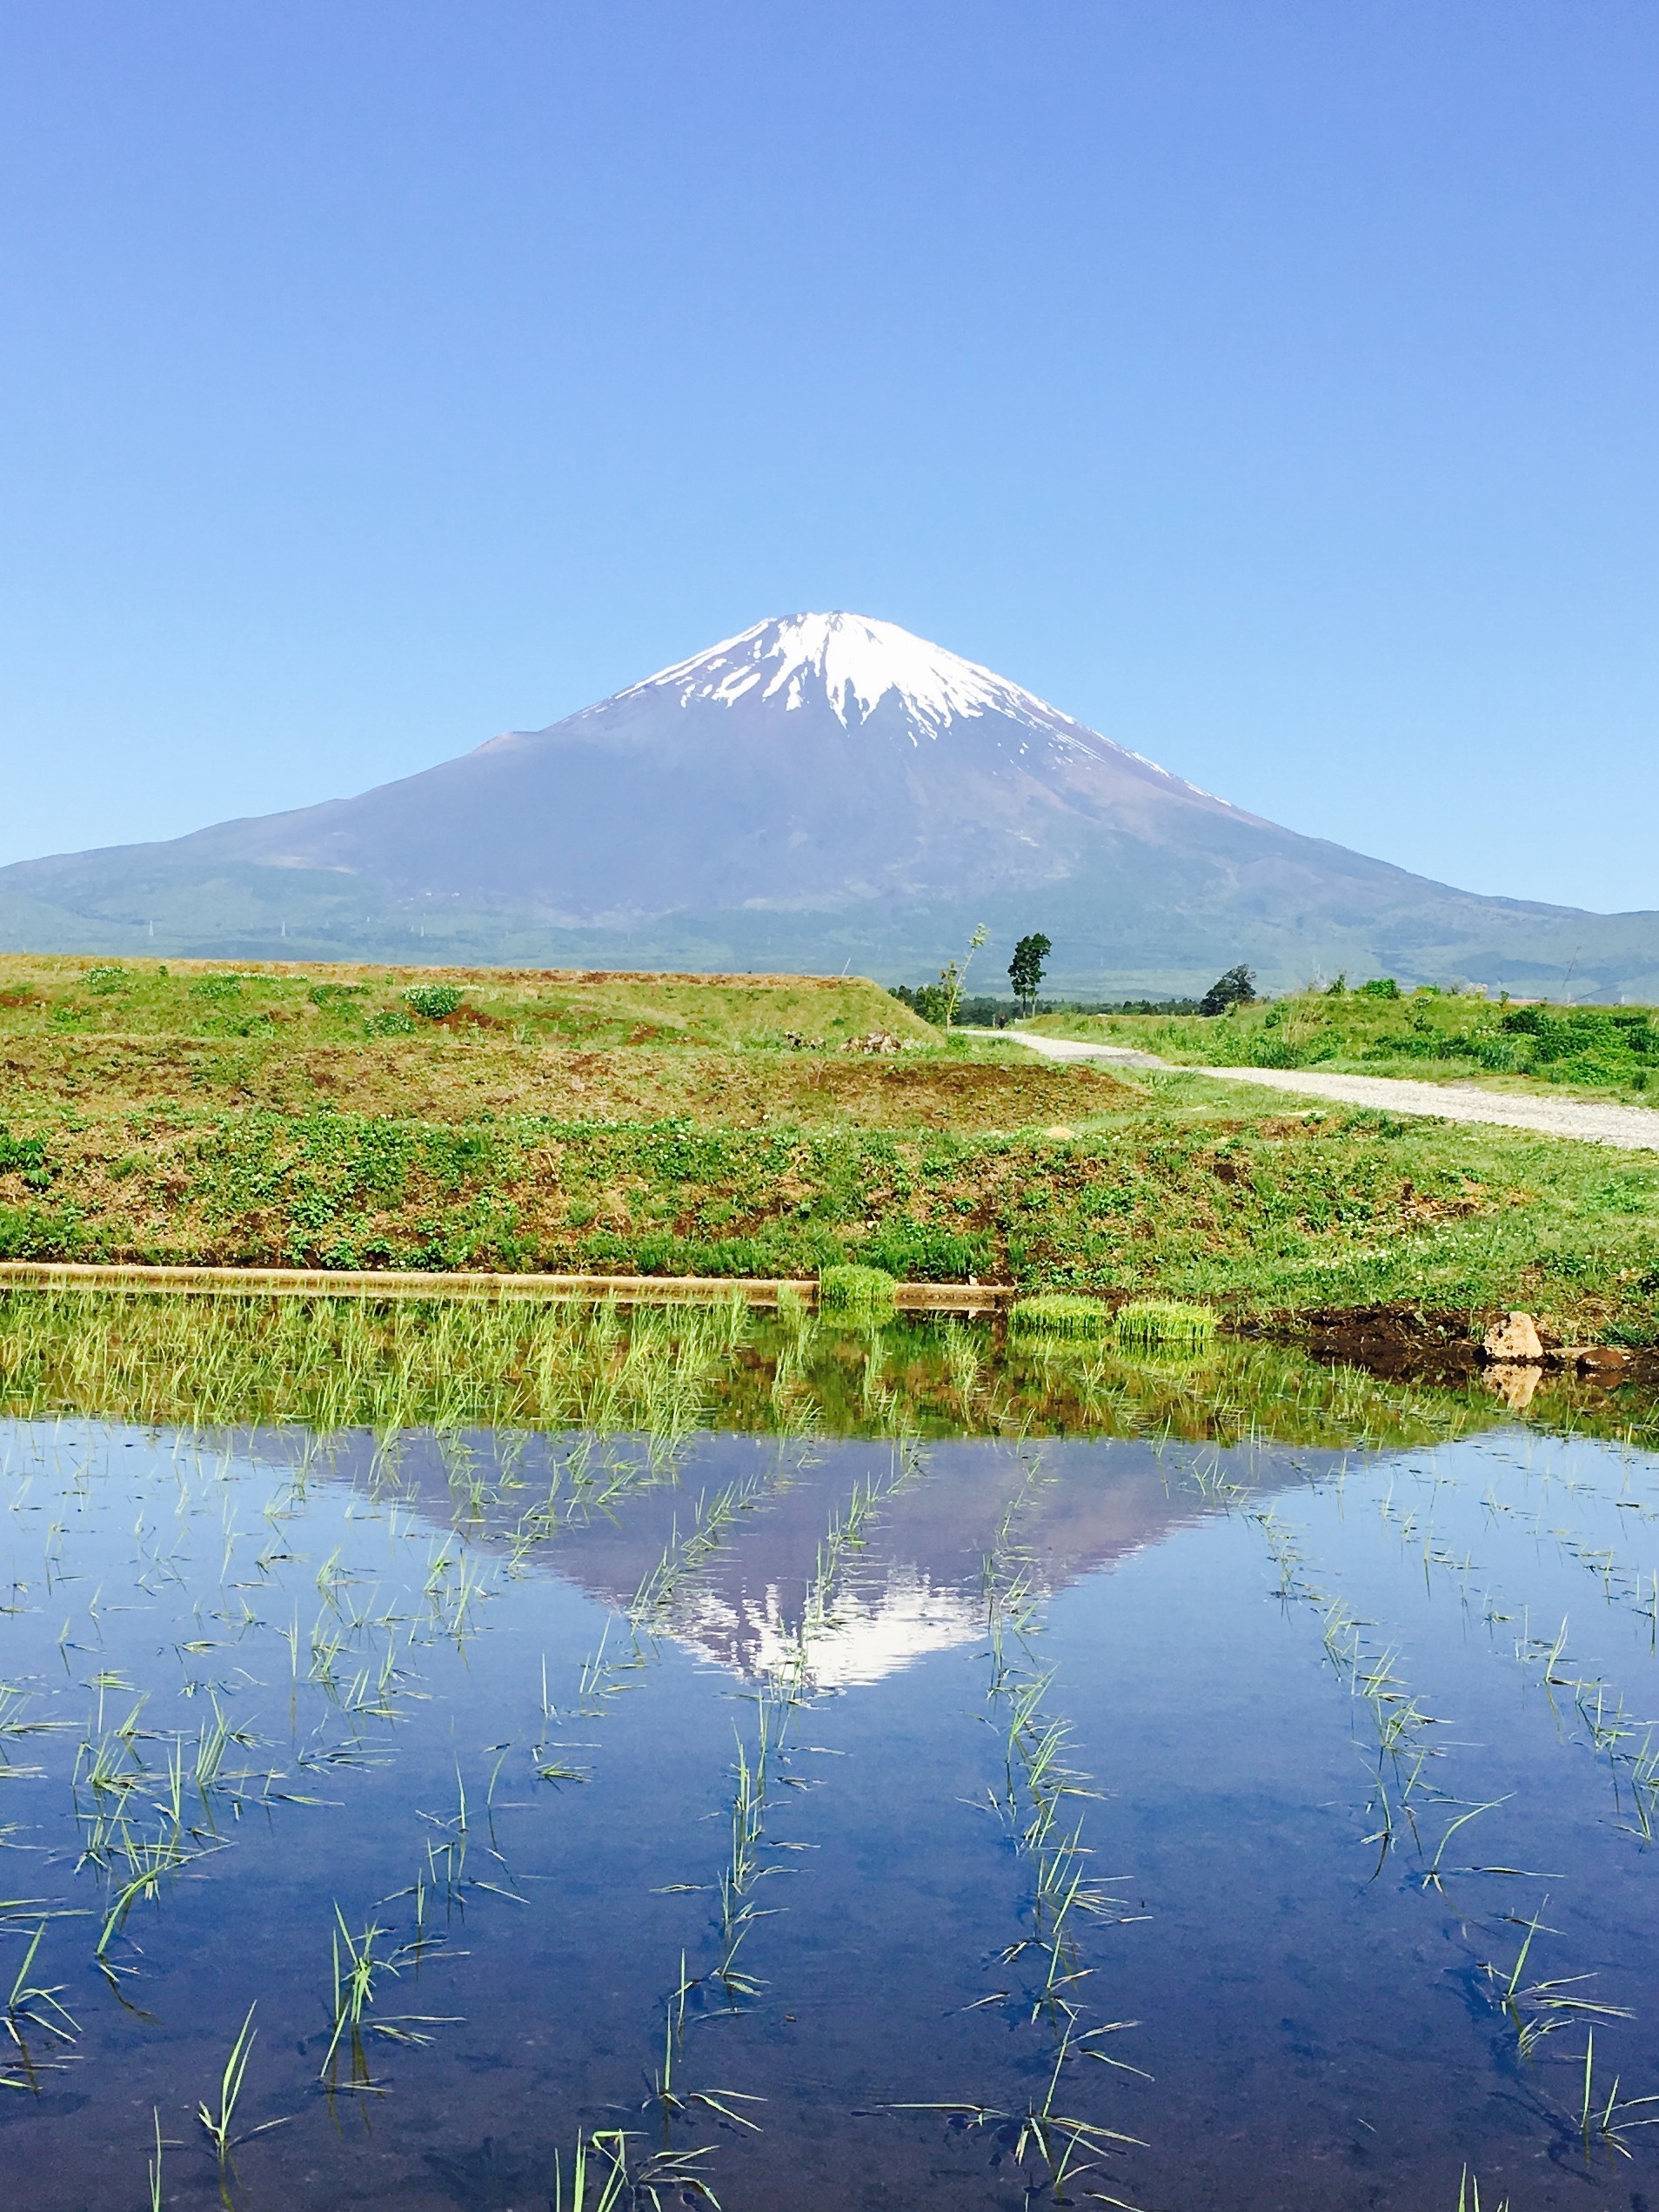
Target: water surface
865	1822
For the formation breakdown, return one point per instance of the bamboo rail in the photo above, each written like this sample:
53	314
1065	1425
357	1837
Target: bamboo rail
367	1283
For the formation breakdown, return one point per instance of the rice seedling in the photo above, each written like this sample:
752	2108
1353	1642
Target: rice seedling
684	1557
150	1860
1540	2008
1611	1730
1067	2148
1054	2149
1469	2195
218	2119
30	2005
1535	2008
15	1725
662	2179
1163	1325
1059	1314
610	2183
859	1295
1604	2122
356	1969
669	2102
155	2164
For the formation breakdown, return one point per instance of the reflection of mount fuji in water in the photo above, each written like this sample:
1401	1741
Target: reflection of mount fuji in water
877	1623
912	1583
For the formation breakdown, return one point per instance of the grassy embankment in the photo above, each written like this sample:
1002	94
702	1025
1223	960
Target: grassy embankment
314	1116
1592	1051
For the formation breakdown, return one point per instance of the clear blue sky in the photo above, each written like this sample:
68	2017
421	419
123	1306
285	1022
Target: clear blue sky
1272	386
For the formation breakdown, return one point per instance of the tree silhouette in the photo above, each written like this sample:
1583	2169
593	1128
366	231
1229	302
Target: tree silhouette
1024	969
1236	987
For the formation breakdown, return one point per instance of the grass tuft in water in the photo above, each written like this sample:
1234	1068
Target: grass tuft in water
219	2119
856	1293
1059	1314
1164	1325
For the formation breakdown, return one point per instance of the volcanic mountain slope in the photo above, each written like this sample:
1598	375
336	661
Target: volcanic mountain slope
823	790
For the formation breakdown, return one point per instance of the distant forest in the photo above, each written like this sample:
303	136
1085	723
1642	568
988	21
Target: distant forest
989	1013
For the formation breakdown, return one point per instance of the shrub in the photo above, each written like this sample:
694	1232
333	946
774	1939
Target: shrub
1059	1314
25	1155
1379	987
108	976
931	1002
1236	987
389	1024
1164	1324
861	1293
432	1001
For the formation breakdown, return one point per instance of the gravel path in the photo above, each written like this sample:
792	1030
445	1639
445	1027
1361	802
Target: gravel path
1636	1128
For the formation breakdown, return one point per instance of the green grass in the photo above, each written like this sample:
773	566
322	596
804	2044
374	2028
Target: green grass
1172	1193
1163	1325
336	1364
288	1135
858	1293
308	1004
1059	1314
1596	1049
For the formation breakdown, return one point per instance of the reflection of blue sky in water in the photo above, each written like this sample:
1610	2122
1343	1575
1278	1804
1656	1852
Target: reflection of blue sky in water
1313	2011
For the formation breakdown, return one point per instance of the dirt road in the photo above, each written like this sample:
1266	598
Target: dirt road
1634	1128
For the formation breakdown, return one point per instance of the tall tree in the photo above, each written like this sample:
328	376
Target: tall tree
1024	969
1236	987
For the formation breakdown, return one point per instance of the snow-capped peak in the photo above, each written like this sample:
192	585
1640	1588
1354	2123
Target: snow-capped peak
856	660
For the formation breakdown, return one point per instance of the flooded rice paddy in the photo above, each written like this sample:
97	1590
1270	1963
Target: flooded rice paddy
1232	1788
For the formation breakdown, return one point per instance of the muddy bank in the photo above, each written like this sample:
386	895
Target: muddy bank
1404	1342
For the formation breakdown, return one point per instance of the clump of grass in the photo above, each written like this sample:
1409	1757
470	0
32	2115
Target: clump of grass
1164	1325
432	1001
1059	1314
856	1293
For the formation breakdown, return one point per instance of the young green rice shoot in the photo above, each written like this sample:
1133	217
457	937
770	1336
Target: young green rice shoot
856	1293
1060	1313
1164	1325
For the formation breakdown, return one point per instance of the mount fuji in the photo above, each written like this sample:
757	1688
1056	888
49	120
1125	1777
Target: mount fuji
819	791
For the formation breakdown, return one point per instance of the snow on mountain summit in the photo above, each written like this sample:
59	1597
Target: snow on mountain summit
819	788
849	661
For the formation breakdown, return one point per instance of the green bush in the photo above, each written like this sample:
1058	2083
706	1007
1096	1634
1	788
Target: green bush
25	1156
389	1024
1059	1314
432	1001
860	1293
